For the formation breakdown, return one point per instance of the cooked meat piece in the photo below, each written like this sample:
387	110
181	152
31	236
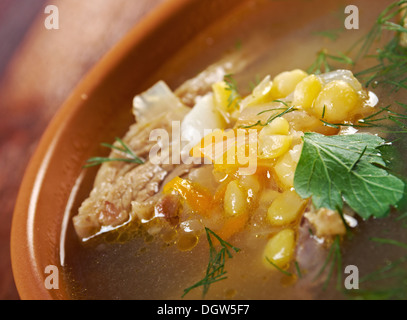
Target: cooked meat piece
168	207
110	215
200	85
311	252
327	222
123	191
311	255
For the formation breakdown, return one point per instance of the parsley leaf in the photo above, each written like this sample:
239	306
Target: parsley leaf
350	168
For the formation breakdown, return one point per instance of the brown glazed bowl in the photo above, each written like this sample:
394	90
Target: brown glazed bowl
174	43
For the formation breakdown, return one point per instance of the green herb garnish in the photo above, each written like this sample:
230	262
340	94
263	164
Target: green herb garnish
130	156
275	115
332	34
231	86
391	68
278	268
255	83
382	23
388	120
389	281
215	270
297	268
403	219
389	241
333	260
349	168
322	63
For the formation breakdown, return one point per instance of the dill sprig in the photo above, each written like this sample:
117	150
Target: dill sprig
403	219
386	117
389	241
390	280
130	156
333	260
284	111
333	34
278	268
253	84
297	268
391	69
390	120
382	23
215	270
285	272
231	86
323	61
392	58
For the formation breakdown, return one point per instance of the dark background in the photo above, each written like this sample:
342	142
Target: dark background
38	70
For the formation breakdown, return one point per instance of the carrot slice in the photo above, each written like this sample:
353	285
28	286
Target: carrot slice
197	197
232	226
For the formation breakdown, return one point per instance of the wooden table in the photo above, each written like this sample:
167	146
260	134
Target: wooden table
38	70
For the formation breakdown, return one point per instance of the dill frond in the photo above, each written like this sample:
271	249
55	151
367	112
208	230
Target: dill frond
231	86
130	156
215	270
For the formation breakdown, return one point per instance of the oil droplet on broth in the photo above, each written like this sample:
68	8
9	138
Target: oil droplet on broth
230	293
187	241
169	236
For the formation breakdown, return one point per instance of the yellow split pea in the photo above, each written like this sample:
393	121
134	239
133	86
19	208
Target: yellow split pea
336	101
285	209
279	249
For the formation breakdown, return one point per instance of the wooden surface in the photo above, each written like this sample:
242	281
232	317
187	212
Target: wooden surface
38	70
